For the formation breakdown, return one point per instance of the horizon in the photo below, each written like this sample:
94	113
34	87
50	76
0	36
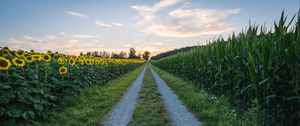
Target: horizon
114	26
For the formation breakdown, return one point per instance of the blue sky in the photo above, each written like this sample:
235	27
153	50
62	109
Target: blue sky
72	26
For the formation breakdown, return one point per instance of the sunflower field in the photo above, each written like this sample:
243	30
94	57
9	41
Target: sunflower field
31	83
258	70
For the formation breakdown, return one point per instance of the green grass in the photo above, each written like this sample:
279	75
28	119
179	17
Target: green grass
150	109
91	106
213	111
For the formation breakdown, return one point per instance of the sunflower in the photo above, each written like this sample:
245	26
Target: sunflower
72	61
20	53
88	61
61	60
77	59
81	62
63	70
47	58
28	59
96	61
6	51
93	61
36	57
4	63
18	62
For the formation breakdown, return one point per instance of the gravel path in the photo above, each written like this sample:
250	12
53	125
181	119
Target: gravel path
178	112
122	112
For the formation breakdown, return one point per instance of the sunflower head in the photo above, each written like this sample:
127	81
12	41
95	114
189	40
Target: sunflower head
46	58
18	62
93	61
61	61
81	62
6	51
96	62
88	61
63	70
77	59
4	63
28	59
72	61
20	53
36	57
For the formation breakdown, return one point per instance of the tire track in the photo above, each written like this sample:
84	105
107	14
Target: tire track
178	112
121	114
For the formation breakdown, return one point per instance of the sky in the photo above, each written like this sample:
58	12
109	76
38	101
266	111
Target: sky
74	26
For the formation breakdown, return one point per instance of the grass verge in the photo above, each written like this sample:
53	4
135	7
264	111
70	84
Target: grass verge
149	109
213	111
91	106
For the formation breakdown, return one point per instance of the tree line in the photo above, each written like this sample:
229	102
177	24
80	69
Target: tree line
122	55
172	52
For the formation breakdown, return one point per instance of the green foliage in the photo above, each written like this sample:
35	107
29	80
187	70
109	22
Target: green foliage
91	106
256	70
28	93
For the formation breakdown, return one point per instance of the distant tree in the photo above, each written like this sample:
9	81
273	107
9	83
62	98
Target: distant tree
132	53
81	54
122	55
95	54
88	53
146	55
105	54
114	56
171	52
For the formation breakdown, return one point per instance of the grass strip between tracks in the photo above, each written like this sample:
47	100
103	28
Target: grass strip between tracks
149	109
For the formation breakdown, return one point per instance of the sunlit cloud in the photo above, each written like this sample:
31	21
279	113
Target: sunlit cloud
183	21
153	47
77	14
65	44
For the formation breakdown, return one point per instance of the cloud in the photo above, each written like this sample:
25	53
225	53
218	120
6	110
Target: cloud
77	14
154	47
84	36
157	43
101	24
64	44
182	21
117	24
63	33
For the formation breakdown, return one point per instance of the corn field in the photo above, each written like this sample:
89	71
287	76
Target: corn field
32	83
257	70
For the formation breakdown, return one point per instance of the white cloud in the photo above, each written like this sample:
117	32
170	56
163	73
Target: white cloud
182	22
77	14
101	24
50	37
84	36
63	33
117	24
